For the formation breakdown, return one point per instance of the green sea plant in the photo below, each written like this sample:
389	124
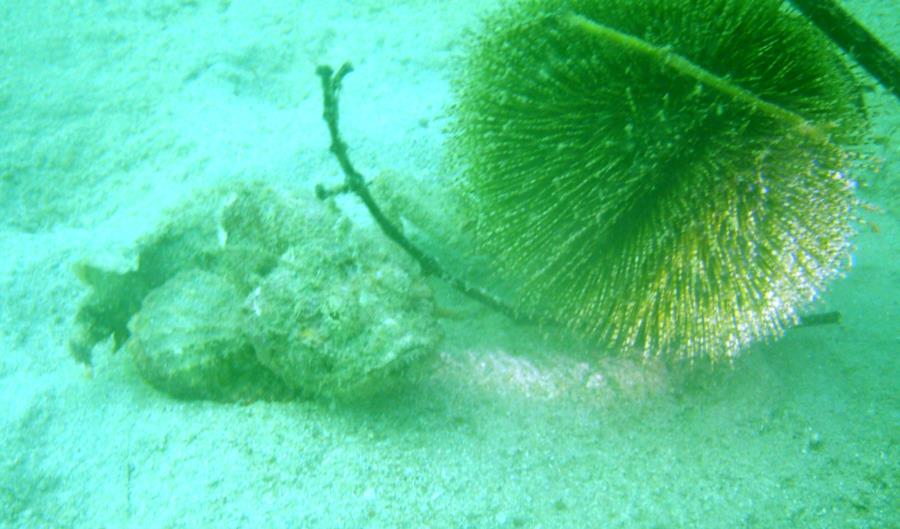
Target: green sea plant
667	176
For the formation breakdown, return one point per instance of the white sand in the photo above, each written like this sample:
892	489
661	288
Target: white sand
111	111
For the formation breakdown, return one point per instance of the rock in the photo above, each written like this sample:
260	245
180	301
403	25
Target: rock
236	231
187	341
247	292
342	319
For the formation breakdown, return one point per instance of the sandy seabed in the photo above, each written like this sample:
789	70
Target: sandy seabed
113	111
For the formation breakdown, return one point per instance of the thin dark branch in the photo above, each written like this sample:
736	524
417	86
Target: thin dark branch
854	39
822	318
356	184
323	193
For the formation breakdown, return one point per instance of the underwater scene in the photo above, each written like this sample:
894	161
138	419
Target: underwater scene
459	264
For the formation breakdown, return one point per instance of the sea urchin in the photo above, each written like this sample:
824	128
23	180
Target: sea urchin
664	175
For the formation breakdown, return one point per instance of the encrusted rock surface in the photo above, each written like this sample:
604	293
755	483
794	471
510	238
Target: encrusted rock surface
249	292
342	320
187	341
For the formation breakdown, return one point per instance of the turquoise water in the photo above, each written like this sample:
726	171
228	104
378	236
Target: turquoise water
113	113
